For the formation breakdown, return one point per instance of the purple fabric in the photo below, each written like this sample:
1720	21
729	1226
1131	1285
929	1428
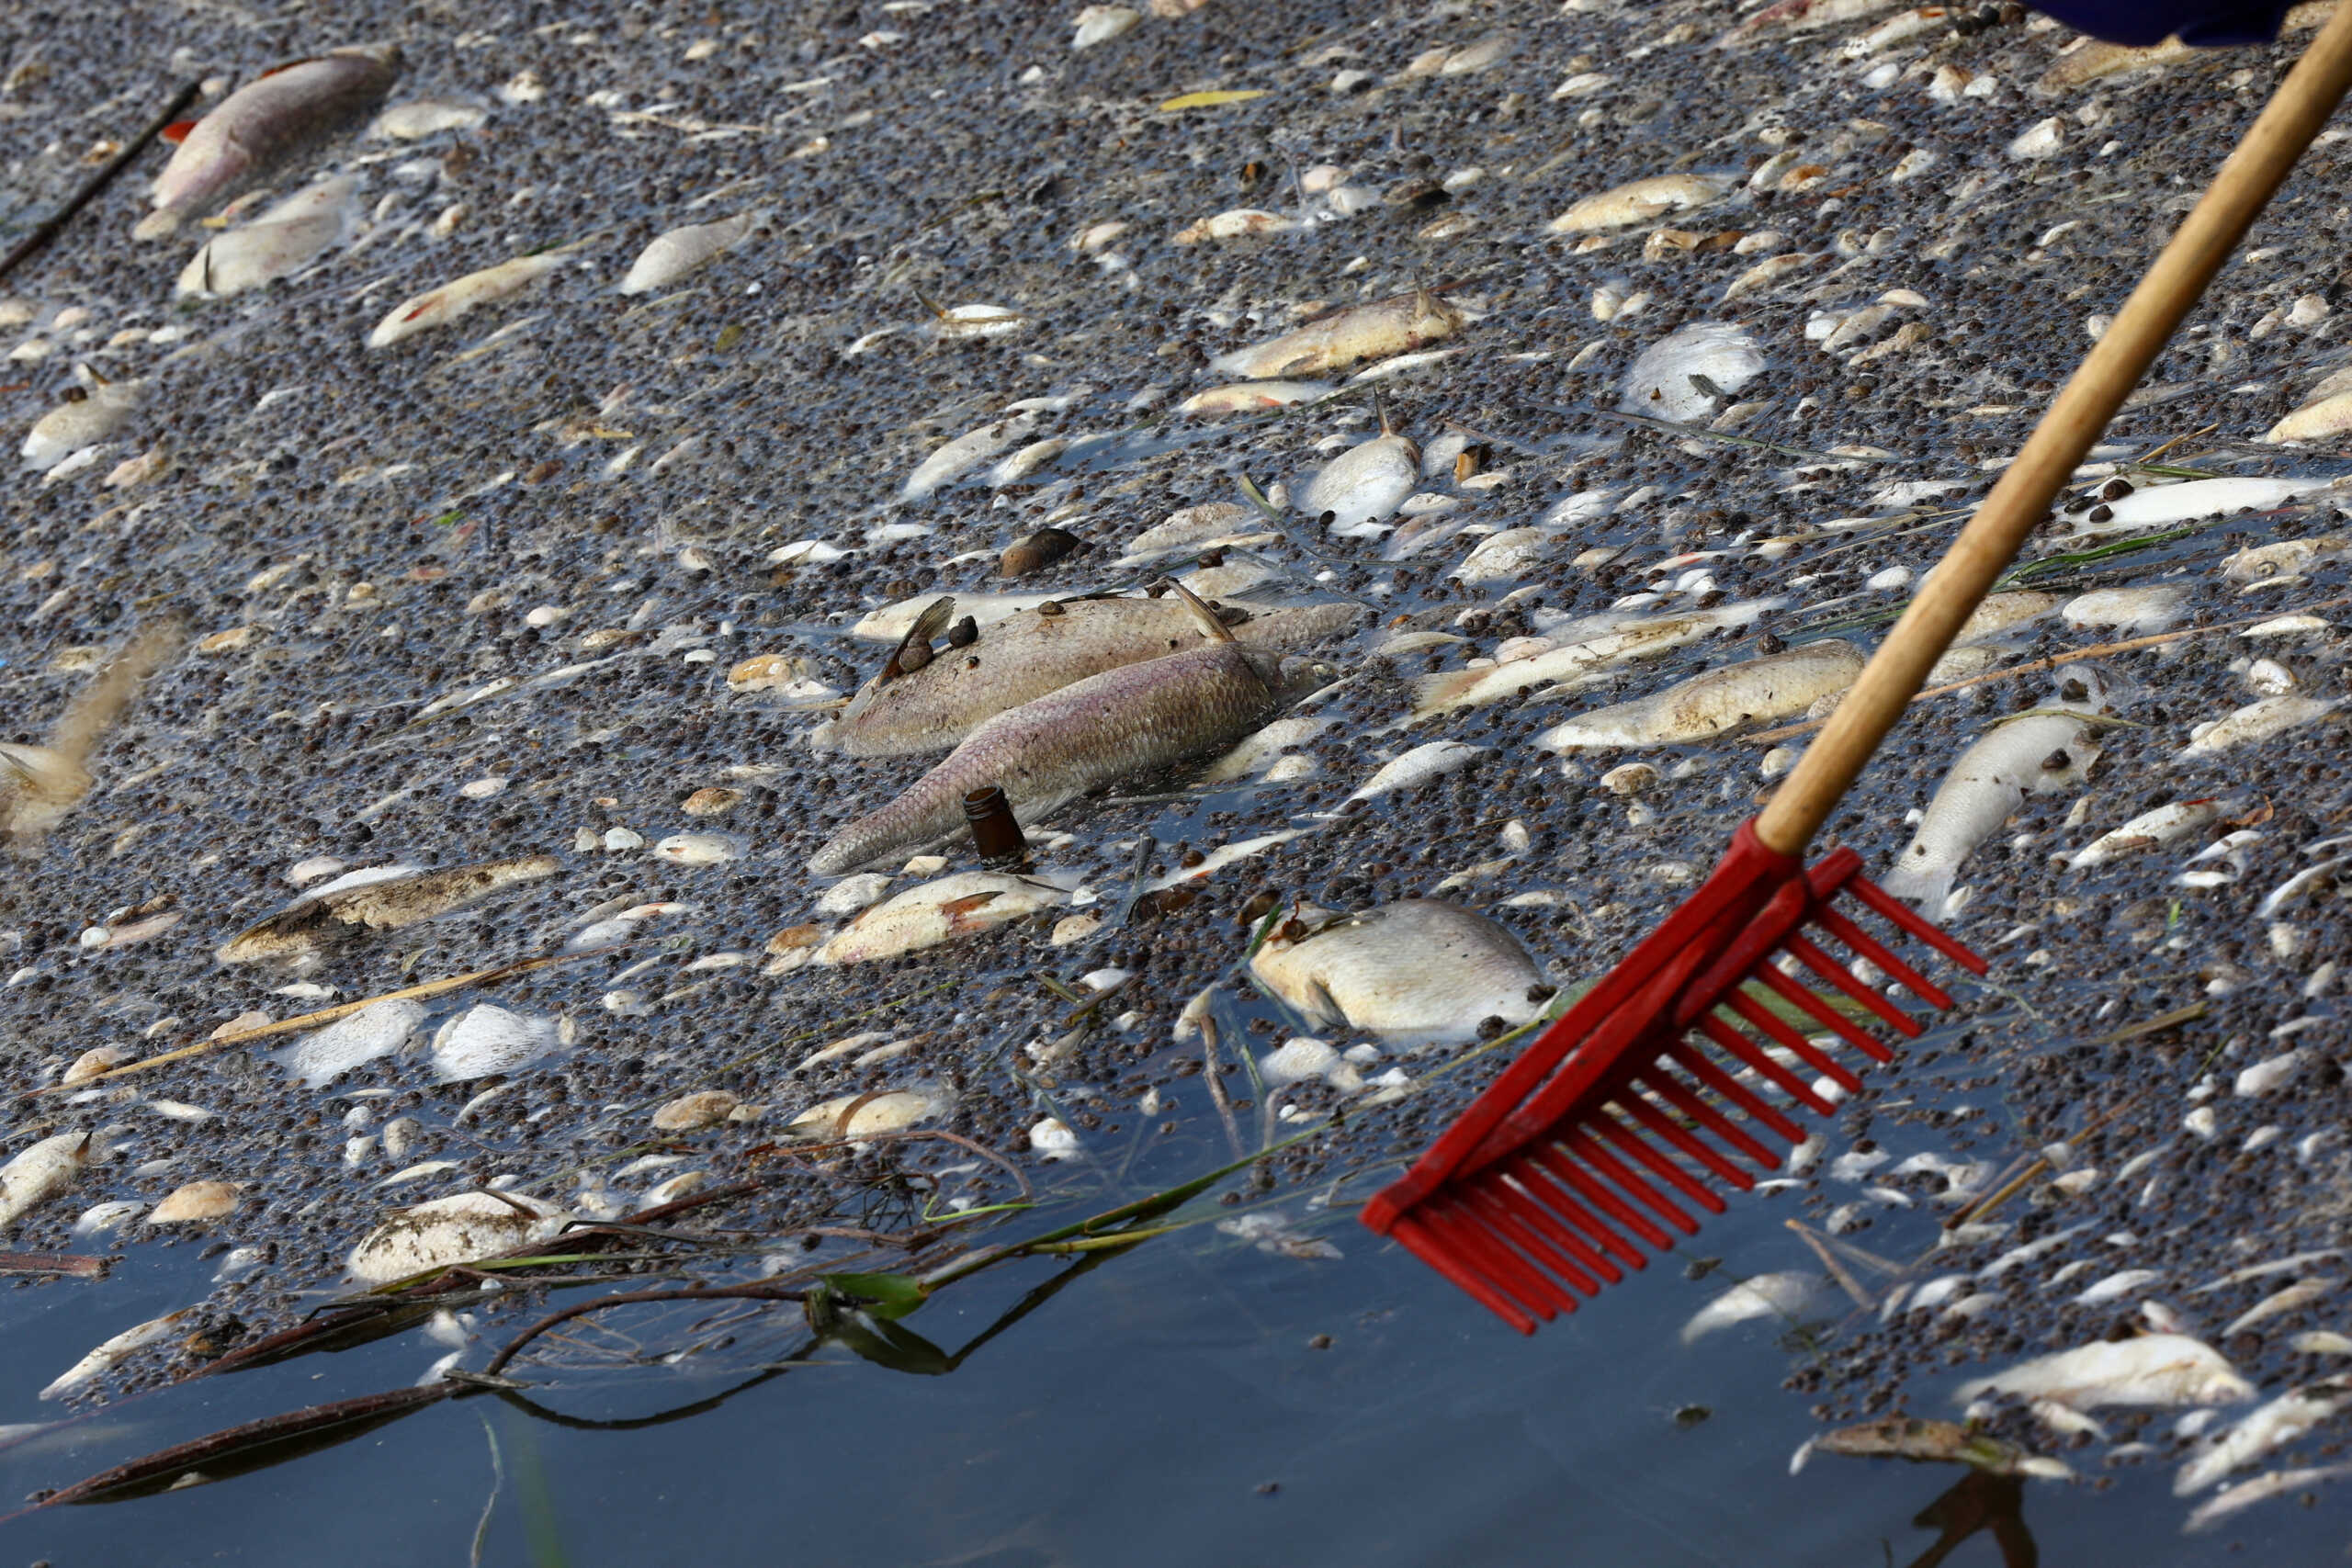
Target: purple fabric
2211	22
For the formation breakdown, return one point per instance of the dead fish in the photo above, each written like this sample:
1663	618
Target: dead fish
439	307
367	1035
112	1352
1418	970
2283	558
2153	505
863	1115
2150	608
1680	376
195	1201
1050	751
1640	202
464	1228
39	1173
946	911
421	117
2262	1488
283	240
383	898
1359	488
1589	647
2148	831
1504	557
1235	223
1259	749
1212	525
1785	1296
1431	760
90	415
264	124
2153	1369
682	252
1374	331
2041	750
2262	1431
1027	655
1100	24
1252	397
2257	721
1778	686
952	460
487	1038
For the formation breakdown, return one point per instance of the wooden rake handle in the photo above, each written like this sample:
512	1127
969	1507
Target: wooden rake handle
2090	398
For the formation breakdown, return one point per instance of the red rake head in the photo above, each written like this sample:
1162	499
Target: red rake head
1601	1136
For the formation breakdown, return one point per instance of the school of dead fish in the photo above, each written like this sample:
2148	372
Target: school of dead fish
1296	643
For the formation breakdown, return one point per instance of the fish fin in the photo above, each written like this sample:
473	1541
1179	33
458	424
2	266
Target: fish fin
288	66
930	623
176	132
1215	630
1380	407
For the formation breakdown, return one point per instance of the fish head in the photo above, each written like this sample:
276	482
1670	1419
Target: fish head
2093	688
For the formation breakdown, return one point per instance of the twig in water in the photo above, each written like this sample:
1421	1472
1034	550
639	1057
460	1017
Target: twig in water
49	227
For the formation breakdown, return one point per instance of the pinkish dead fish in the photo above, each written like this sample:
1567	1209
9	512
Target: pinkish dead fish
263	124
1048	752
927	701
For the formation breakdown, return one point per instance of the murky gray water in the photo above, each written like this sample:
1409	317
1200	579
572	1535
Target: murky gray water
477	597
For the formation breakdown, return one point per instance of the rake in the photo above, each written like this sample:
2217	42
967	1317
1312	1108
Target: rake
1678	1073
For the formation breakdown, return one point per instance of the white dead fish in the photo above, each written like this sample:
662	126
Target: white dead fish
2150	829
99	411
1252	397
269	121
2261	1431
1640	202
2042	751
1234	224
1375	330
1100	24
110	1353
2283	559
957	457
2153	1369
39	1173
1504	557
2261	1489
1586	649
283	240
863	1115
349	1042
682	252
1217	859
1362	487
1433	760
2300	1294
463	1228
486	1039
2145	609
950	908
1417	969
1785	1296
977	323
1665	380
2201	498
2257	721
1777	686
421	117
439	307
381	898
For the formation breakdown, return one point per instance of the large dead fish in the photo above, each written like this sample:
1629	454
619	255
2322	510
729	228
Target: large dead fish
283	240
1047	752
927	701
1775	686
263	124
